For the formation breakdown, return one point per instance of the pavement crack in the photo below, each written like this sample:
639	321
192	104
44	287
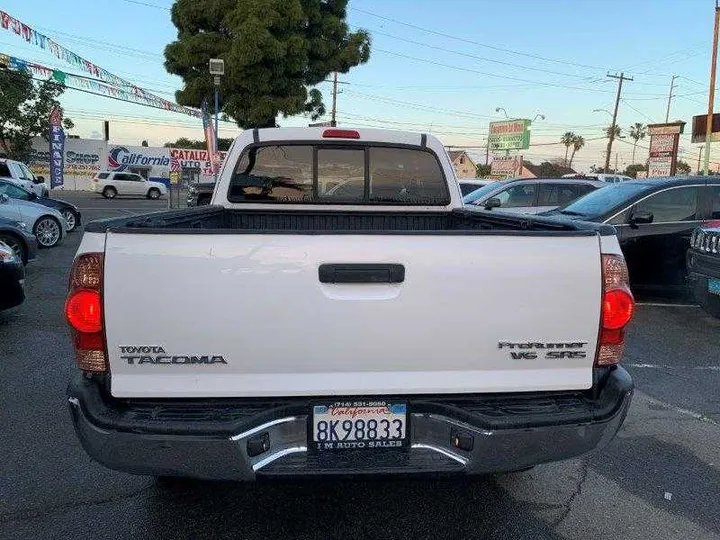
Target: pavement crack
29	514
567	506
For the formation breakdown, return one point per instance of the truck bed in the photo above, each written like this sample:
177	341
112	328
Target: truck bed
219	220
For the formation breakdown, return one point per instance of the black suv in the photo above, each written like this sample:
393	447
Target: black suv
703	260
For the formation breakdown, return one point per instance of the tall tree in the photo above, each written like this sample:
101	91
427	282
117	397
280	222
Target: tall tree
683	167
184	142
274	51
482	170
25	111
638	131
577	143
567	140
609	130
633	169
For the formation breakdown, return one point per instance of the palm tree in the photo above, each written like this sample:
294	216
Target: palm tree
638	131
577	144
609	130
567	140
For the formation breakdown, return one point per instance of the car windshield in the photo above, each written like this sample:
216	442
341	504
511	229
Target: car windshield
602	200
27	172
480	193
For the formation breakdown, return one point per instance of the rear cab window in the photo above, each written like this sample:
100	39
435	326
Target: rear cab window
338	174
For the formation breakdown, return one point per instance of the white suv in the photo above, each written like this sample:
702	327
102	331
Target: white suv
112	184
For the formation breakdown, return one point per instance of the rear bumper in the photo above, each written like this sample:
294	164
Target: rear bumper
209	439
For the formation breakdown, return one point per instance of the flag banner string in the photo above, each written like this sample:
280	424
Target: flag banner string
32	36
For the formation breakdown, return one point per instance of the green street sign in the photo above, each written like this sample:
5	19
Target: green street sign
509	135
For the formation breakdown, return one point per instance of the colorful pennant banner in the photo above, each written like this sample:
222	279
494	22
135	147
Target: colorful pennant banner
84	83
30	35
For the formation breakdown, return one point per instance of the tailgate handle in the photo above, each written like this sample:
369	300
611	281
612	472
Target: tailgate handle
361	273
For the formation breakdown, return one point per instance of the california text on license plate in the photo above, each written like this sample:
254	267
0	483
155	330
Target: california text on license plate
359	424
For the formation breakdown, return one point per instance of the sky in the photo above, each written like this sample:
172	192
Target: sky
442	67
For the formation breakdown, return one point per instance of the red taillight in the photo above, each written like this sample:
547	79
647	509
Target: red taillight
340	134
618	307
84	312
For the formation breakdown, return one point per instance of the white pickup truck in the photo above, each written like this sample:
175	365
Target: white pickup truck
336	310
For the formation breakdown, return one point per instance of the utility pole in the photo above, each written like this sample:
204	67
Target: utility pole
616	158
334	103
700	158
711	94
611	137
670	96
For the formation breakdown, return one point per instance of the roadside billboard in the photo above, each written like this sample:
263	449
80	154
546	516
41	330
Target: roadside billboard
82	159
197	161
699	128
151	163
509	135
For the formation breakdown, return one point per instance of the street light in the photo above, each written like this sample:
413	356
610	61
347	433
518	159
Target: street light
602	110
217	70
540	116
498	109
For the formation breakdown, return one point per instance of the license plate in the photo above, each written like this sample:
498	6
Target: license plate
714	286
359	424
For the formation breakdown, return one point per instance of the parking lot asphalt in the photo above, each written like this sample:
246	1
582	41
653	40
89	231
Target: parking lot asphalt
660	478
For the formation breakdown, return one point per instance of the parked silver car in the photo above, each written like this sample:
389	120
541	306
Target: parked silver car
47	224
530	195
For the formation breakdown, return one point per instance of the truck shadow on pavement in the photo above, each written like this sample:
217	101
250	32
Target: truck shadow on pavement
325	509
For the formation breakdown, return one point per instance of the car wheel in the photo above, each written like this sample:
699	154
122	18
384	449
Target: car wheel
109	192
48	231
153	193
16	245
70	220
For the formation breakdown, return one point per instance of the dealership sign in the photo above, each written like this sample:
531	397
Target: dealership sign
121	157
506	166
664	141
509	135
181	158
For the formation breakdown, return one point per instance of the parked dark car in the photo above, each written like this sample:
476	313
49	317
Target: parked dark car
200	194
70	212
12	278
704	267
21	241
654	219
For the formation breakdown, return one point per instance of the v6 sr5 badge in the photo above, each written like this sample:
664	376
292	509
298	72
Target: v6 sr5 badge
533	350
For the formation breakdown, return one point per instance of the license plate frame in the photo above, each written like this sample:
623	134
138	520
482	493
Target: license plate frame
396	409
714	286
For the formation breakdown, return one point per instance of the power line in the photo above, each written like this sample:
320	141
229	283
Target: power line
476	43
508	77
476	57
147	4
638	111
